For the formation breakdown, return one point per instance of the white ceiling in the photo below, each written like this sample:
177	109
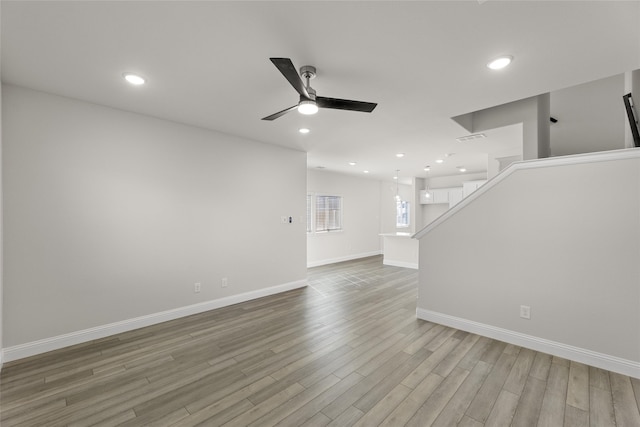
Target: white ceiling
207	64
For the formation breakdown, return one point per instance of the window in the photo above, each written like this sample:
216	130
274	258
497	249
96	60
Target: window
402	214
328	213
309	213
324	213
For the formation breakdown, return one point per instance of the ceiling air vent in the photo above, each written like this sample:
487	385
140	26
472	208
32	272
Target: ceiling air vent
471	137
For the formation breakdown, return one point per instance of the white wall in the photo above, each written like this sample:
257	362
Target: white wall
591	117
564	240
431	212
632	84
1	229
111	216
361	218
532	112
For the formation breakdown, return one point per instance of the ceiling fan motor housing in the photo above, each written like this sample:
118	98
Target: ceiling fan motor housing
312	94
308	72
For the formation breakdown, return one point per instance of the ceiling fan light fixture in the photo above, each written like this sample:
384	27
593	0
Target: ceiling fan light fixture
307	107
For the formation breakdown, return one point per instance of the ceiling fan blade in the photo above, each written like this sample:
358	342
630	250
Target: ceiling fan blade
291	74
345	104
280	113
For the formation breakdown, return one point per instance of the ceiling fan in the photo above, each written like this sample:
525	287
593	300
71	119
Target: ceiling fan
309	102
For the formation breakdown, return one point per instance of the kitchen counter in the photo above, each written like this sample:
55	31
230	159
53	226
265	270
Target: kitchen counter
400	250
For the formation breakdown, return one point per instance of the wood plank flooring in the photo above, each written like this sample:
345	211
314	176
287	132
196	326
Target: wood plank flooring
346	350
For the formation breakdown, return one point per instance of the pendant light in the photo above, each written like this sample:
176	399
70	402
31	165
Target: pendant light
427	194
398	199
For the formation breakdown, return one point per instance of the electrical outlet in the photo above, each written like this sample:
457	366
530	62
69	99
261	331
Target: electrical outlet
225	282
525	312
196	288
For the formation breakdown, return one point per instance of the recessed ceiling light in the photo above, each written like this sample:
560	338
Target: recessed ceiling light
365	171
399	155
134	79
395	177
427	168
461	169
304	130
439	161
500	62
352	163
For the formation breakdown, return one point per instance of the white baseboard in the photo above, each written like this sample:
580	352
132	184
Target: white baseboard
48	344
577	354
341	259
401	264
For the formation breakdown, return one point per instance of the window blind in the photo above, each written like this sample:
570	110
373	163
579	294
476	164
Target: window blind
328	213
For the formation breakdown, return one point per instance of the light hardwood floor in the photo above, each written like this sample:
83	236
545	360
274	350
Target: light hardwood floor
346	350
